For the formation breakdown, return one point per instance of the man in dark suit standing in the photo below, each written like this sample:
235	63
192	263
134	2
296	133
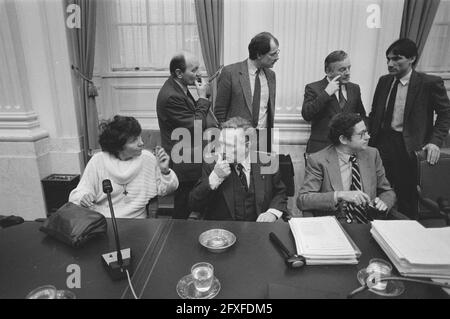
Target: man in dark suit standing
177	109
237	186
332	95
402	117
247	89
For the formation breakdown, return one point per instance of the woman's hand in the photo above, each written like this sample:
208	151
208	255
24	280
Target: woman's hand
87	200
163	159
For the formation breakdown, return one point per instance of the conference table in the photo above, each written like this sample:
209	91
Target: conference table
163	251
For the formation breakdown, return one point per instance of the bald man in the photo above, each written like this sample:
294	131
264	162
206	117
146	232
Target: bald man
176	108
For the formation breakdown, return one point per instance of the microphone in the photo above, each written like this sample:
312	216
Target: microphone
291	260
115	262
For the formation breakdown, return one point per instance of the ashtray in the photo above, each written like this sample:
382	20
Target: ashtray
187	290
393	287
217	240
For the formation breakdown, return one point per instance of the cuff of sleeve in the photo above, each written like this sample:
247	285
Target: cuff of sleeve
275	212
214	180
168	177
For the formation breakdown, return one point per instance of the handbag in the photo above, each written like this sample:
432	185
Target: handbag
74	225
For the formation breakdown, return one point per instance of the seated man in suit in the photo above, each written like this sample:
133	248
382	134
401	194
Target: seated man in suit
332	95
235	186
346	177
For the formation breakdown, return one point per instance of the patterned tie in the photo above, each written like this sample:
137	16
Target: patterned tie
390	106
342	100
242	177
256	99
356	212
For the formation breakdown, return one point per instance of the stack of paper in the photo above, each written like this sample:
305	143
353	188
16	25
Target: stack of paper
322	241
415	250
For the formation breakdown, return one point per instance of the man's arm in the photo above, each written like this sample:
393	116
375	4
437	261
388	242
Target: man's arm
313	104
279	197
359	106
201	194
310	197
223	95
181	115
384	189
441	105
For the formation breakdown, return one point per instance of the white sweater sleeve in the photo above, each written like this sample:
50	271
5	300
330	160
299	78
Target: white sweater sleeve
88	184
166	184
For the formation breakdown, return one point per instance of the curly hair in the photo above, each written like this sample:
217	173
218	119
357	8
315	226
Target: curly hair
116	132
343	124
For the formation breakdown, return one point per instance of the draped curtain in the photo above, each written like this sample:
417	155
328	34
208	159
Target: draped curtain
417	19
82	46
210	19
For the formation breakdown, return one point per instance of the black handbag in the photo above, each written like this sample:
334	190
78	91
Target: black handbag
74	225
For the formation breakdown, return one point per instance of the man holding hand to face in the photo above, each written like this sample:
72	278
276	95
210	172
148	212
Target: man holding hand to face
234	187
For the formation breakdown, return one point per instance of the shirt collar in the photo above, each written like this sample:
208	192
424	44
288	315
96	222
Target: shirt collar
405	80
343	156
184	88
251	67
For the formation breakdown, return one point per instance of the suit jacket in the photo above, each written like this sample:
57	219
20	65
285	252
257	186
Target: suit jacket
323	178
234	94
176	110
318	108
426	95
270	192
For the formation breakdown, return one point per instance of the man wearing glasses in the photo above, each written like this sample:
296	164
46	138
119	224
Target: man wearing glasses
329	96
237	186
247	89
347	177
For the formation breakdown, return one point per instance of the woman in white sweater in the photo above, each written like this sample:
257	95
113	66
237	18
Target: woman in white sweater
136	174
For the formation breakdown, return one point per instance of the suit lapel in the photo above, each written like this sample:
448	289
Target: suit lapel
271	83
334	101
364	171
333	170
414	83
350	97
259	181
244	79
228	194
178	88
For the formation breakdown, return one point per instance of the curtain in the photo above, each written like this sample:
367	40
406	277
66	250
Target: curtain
418	17
82	46
210	19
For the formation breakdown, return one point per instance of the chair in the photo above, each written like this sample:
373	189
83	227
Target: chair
287	173
433	187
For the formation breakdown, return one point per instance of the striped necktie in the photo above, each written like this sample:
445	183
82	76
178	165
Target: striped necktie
342	100
242	177
356	212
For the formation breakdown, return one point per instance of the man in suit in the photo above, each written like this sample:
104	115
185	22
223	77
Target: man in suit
176	108
347	176
247	89
332	95
236	187
401	121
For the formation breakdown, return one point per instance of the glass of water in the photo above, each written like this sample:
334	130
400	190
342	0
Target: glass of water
203	275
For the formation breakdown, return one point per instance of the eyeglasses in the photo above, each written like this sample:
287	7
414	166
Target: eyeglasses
362	133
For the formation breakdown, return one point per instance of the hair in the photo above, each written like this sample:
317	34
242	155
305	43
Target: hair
343	124
238	122
116	132
405	47
260	44
177	62
335	56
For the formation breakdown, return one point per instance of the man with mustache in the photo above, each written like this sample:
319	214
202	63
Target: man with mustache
332	95
401	121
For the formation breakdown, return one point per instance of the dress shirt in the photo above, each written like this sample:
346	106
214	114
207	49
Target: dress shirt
400	101
264	101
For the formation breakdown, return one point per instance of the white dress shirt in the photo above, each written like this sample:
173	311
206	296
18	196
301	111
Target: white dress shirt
400	102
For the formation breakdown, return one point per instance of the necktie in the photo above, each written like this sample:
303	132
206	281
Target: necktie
256	99
356	211
242	176
390	106
342	100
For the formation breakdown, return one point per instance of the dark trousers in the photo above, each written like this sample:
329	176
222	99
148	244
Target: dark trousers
400	170
181	200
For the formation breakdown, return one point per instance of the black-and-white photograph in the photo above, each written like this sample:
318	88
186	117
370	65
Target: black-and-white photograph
236	150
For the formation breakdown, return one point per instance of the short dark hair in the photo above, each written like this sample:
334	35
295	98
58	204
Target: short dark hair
260	44
116	132
343	124
405	47
335	56
238	122
177	62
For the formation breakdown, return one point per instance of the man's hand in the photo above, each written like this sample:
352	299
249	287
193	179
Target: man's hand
266	218
433	153
203	89
87	200
333	86
222	169
163	159
355	197
380	205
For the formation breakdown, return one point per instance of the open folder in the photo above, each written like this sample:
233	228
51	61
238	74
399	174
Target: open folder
323	241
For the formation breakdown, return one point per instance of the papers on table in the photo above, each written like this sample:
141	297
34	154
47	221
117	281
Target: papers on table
415	250
323	241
